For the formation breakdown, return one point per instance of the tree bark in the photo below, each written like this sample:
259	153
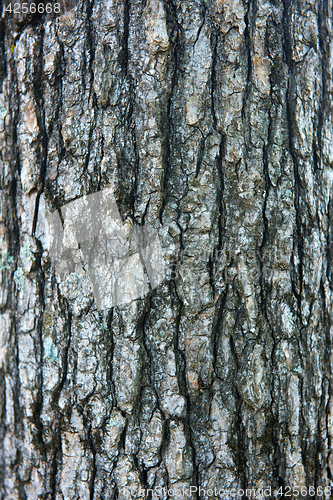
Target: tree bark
212	122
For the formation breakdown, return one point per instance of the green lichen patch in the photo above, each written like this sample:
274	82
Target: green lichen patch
5	261
26	254
19	278
50	350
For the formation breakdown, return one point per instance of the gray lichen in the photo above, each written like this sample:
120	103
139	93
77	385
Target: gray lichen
5	261
19	278
26	254
50	350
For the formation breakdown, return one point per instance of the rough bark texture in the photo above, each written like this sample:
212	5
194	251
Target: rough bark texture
212	120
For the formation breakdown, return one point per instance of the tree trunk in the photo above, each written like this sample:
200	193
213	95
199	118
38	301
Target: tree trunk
212	122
